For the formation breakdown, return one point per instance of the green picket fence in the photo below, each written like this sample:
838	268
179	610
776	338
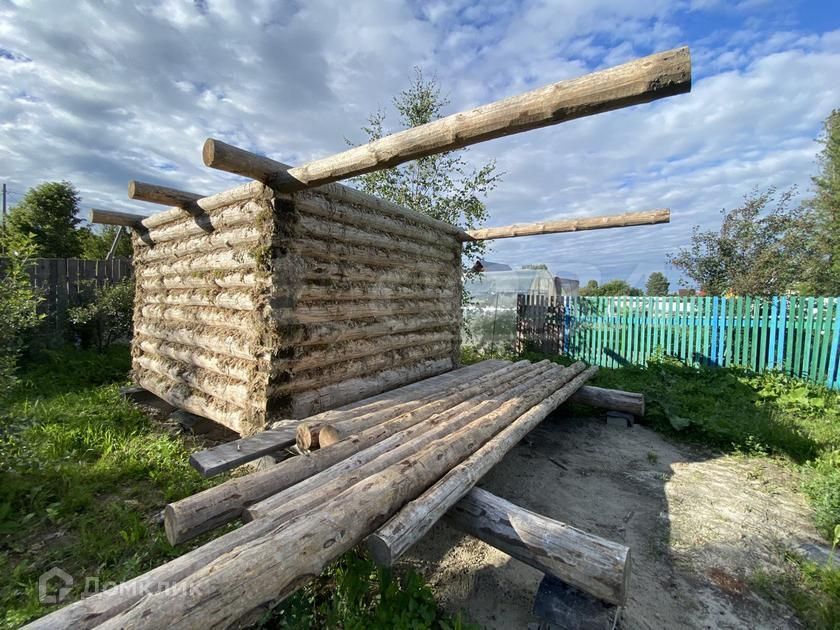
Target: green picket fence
797	335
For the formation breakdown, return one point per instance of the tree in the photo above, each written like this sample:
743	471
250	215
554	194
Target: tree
96	243
591	288
761	249
822	273
611	288
657	284
442	186
18	306
48	213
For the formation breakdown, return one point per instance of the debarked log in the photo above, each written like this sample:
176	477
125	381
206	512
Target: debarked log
593	564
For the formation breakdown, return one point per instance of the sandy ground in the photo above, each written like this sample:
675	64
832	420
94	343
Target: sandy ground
698	525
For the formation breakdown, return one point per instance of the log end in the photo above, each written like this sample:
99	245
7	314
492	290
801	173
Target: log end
380	551
305	438
132	189
170	517
208	152
328	435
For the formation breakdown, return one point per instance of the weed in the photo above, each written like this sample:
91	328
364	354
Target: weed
652	457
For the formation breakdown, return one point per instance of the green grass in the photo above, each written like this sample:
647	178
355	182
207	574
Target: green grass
83	475
355	594
83	478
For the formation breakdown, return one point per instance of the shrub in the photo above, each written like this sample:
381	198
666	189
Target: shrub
106	317
18	304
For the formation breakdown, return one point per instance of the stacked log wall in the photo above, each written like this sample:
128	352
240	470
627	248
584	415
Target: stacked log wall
367	296
281	306
203	338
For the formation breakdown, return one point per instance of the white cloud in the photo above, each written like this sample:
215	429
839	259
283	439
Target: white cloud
102	93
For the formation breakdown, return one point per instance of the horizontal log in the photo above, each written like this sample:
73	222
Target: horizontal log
246	237
252	191
306	403
232	392
311	203
223	260
196	402
331	251
408	526
337	374
224	322
640	81
315	227
308	313
113	217
593	564
164	195
612	399
246	213
311	358
650	217
504	401
217	459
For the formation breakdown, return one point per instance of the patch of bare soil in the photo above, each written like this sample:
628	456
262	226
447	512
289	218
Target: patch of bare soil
698	524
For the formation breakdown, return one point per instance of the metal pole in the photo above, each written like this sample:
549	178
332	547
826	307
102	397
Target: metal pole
4	204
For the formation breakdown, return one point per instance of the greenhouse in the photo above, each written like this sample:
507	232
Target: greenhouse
490	312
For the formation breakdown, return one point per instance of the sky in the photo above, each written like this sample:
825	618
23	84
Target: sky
99	93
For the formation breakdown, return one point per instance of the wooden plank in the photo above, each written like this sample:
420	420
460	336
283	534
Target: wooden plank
731	305
691	323
816	341
773	342
640	81
825	338
799	335
808	327
833	377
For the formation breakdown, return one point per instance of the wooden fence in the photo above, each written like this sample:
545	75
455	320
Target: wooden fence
62	282
797	335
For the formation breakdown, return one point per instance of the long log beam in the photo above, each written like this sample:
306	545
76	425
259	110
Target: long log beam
640	81
414	520
114	217
593	564
650	217
142	191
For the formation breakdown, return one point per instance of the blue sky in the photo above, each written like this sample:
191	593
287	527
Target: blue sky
100	93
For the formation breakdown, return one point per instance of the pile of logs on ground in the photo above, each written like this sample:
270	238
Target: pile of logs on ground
399	462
